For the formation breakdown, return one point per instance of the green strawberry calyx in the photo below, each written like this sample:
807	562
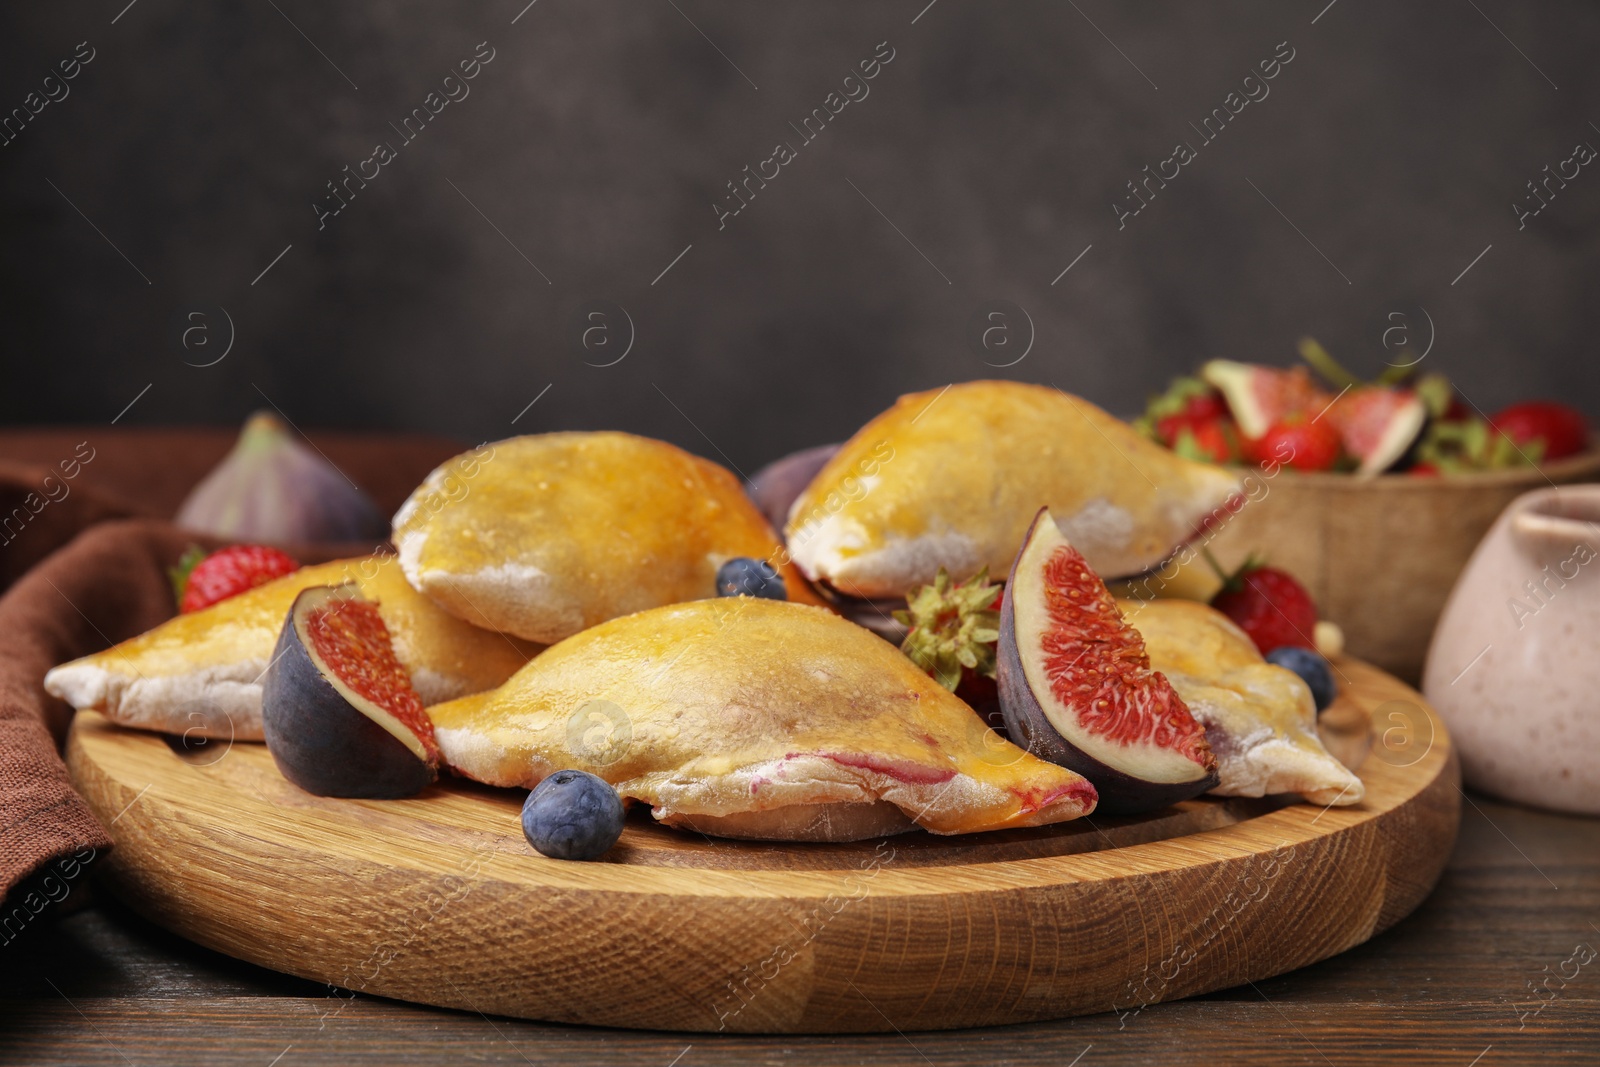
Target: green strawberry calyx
1234	582
1472	444
953	626
179	575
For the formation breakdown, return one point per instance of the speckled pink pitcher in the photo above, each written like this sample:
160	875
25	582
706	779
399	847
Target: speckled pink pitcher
1514	668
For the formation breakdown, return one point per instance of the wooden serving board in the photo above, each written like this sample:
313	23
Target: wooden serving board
438	898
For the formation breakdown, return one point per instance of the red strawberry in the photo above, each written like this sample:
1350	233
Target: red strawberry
1207	406
1298	442
1169	428
1186	403
982	694
201	581
1564	430
1196	411
1424	470
1210	441
1268	605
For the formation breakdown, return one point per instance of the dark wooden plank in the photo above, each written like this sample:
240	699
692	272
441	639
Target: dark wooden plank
1495	834
253	1032
106	951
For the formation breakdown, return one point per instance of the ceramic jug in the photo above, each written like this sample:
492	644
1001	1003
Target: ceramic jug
1514	668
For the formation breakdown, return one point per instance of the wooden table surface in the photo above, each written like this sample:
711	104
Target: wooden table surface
1518	909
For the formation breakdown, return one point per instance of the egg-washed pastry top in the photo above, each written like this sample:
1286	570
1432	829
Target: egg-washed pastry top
952	478
1260	719
542	536
756	718
201	673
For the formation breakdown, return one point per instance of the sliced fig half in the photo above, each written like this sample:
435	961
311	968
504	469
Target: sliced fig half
1076	686
1378	425
339	712
1260	396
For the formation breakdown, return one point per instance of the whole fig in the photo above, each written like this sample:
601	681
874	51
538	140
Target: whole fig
272	488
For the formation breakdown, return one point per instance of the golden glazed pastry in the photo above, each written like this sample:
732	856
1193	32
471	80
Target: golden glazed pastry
952	478
201	673
756	718
1260	719
544	536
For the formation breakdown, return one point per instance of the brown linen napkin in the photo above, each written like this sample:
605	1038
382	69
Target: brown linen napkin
40	511
110	584
106	586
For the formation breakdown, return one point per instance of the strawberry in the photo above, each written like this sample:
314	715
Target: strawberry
1170	427
1204	407
1214	440
953	630
200	580
1197	410
1564	430
1186	403
1298	442
1268	604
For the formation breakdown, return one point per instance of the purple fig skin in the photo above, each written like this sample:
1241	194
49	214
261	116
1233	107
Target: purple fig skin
319	740
776	485
1029	727
274	489
874	615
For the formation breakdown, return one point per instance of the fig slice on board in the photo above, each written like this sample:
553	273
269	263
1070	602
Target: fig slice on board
1076	686
340	714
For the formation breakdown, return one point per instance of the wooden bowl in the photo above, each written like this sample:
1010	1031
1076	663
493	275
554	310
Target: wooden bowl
1380	555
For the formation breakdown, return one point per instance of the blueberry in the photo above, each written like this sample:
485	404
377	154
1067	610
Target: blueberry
1309	666
572	815
743	576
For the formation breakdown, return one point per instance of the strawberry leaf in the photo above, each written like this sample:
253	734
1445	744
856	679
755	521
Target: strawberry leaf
179	575
1188	446
1234	581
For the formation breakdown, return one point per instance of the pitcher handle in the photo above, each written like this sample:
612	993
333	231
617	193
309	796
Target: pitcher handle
1536	531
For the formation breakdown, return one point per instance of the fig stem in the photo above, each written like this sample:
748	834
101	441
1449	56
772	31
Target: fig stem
261	430
1325	365
1396	374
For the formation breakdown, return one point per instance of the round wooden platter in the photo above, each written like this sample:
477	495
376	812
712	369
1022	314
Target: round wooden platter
438	898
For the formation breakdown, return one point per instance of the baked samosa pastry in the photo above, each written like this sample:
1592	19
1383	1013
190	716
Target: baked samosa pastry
201	673
756	718
545	535
1260	719
951	478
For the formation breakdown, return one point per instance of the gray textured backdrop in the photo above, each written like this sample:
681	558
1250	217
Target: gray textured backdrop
591	149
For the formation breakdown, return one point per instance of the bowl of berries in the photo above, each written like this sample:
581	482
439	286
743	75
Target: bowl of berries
1374	494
